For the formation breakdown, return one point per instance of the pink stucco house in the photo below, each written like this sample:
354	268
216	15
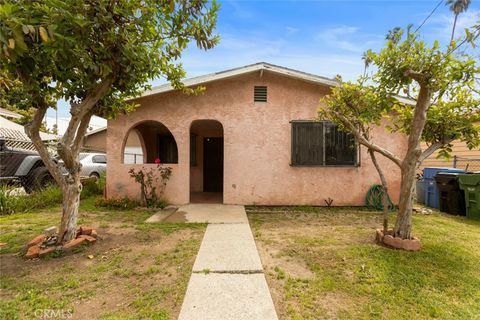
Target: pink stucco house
249	139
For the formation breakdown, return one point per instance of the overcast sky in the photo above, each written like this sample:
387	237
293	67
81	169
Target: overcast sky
321	37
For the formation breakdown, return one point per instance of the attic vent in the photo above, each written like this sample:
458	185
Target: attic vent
260	94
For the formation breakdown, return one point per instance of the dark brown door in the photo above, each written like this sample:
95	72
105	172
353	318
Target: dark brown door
213	164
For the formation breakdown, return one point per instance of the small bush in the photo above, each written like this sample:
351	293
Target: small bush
7	202
11	203
93	188
116	203
152	182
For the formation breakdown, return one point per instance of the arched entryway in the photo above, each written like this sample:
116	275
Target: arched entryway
206	161
148	141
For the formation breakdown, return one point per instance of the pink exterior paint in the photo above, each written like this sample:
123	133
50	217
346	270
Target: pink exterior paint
257	142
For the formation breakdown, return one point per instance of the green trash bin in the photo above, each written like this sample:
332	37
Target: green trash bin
470	183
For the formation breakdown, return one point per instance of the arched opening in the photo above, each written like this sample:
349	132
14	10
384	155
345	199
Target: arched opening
148	141
206	161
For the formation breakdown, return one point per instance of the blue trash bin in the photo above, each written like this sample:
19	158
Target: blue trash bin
420	191
432	196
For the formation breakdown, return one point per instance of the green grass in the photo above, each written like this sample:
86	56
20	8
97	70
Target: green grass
355	278
133	275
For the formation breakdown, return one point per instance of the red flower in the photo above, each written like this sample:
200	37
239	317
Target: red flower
157	161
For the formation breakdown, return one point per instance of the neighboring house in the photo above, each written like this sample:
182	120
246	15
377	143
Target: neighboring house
15	136
249	139
95	140
461	157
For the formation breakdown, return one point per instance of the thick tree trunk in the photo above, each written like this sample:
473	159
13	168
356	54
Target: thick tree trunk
71	202
403	225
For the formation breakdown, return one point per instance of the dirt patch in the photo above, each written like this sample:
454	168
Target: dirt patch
271	259
292	244
127	273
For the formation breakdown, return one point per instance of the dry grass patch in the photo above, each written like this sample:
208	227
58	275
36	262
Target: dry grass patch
323	264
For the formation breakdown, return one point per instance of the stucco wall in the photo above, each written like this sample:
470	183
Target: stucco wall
257	142
96	141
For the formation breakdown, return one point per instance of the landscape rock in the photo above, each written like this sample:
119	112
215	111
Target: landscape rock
73	243
86	230
422	210
33	252
43	252
405	244
94	234
50	231
38	239
90	239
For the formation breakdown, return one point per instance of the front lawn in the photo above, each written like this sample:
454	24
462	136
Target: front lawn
323	264
135	270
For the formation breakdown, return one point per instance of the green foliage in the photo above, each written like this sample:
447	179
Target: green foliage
116	203
46	198
92	188
152	184
57	49
454	105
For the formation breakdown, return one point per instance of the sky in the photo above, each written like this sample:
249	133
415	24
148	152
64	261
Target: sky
320	37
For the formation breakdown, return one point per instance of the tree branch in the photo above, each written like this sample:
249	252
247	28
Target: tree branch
432	148
82	130
79	112
417	76
385	190
33	132
365	142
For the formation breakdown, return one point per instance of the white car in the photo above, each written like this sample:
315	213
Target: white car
93	164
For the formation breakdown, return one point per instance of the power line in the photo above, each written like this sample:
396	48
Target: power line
428	17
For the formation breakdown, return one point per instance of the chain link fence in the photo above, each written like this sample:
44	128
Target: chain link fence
467	164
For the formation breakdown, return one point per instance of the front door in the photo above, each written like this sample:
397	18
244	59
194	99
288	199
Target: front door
213	164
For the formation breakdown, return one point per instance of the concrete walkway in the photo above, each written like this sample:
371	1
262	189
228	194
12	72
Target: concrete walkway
227	280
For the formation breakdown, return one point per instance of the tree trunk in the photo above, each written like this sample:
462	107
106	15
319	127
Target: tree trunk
385	190
453	29
71	202
403	225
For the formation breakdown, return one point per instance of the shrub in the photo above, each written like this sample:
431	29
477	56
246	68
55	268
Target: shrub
152	184
7	202
116	203
11	203
93	187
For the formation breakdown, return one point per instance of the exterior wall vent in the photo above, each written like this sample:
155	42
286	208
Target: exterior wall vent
260	94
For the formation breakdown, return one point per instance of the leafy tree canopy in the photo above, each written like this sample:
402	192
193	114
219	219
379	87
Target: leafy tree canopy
400	68
65	49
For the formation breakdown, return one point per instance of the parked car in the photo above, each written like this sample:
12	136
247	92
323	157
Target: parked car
93	164
23	167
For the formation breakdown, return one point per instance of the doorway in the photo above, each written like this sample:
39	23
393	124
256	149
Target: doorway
213	164
206	161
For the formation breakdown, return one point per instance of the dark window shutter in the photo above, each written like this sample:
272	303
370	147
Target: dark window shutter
322	144
307	143
340	148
